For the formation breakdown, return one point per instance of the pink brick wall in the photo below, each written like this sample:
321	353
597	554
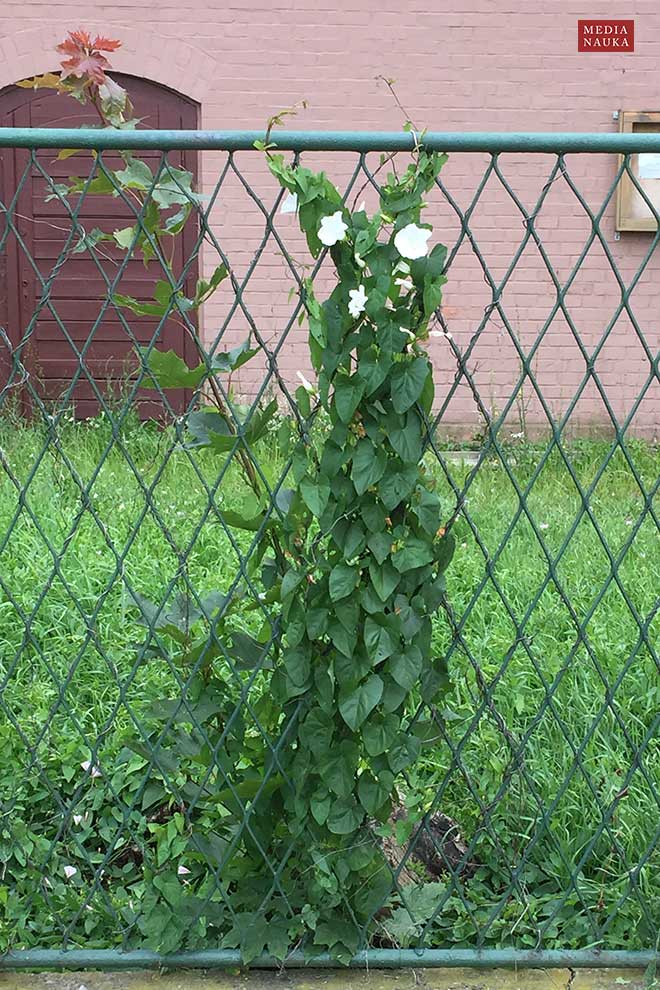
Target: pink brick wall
459	65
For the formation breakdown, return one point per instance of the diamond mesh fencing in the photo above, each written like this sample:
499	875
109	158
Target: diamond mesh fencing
129	804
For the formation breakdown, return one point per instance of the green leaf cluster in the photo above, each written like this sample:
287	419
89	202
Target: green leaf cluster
350	563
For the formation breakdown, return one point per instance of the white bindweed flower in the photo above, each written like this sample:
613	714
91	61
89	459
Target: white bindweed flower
412	241
289	203
94	771
409	333
405	284
358	301
359	260
332	229
440	333
183	871
401	266
306	384
78	819
70	871
544	525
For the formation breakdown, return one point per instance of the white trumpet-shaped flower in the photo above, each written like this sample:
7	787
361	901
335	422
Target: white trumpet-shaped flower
307	385
405	284
289	203
93	770
357	301
440	333
412	241
183	871
69	872
332	229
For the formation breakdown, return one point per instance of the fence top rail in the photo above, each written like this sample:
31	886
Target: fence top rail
553	142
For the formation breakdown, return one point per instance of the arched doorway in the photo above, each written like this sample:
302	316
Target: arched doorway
79	290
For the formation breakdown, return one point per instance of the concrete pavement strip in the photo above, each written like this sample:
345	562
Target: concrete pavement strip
417	979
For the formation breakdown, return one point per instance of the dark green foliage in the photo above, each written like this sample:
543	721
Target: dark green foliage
350	557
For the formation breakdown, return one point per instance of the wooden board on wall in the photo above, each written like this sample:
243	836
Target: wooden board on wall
632	212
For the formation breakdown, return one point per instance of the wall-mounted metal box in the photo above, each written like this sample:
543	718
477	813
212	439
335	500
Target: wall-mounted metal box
632	213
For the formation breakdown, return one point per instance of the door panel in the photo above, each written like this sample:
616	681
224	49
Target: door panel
39	290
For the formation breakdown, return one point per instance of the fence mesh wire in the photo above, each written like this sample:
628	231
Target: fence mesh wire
539	792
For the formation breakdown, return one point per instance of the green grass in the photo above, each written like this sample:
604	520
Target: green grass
536	749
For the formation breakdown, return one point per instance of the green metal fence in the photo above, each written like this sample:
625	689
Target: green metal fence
539	792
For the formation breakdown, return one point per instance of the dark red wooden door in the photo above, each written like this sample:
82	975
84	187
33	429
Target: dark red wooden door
75	329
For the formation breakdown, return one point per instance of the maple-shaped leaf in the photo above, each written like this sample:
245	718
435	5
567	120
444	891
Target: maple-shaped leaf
92	65
78	41
105	44
77	88
111	90
49	80
85	58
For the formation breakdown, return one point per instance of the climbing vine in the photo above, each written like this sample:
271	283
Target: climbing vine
350	559
353	557
365	547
